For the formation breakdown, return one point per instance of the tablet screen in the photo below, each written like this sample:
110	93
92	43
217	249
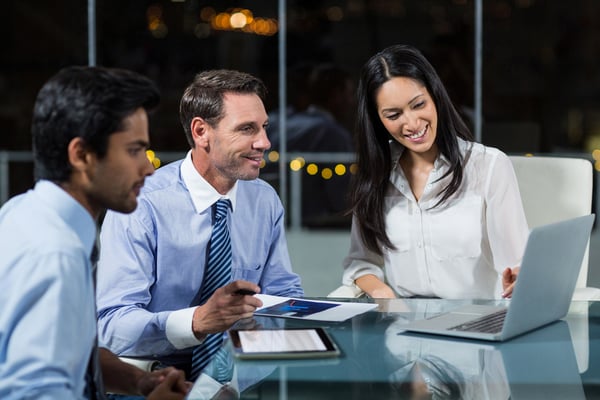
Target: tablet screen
282	343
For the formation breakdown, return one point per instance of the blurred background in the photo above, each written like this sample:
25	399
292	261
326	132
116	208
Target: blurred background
524	73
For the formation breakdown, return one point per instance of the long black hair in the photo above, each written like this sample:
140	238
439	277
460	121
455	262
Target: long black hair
373	149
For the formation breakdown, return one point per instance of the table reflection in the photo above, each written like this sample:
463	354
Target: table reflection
381	361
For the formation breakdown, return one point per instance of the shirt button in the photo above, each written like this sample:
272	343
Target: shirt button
419	245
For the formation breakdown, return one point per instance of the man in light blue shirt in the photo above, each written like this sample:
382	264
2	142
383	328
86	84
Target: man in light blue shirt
90	133
153	261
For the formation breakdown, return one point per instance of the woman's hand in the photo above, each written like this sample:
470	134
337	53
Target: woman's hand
374	287
509	278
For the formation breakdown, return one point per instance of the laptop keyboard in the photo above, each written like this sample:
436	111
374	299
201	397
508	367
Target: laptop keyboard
491	323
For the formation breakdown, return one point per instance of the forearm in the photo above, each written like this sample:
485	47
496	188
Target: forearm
119	377
133	331
374	287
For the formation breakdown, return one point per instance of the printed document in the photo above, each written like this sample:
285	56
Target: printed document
315	310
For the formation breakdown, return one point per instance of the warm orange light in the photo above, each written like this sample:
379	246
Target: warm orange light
221	21
238	20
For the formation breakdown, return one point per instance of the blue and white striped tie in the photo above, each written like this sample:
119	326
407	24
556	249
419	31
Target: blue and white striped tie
217	274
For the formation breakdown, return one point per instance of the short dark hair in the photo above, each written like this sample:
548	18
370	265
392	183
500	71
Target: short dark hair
204	96
86	102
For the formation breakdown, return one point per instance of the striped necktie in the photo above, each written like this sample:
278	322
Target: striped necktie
216	275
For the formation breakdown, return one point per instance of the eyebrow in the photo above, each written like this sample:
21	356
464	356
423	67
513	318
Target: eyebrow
253	124
411	101
246	123
142	143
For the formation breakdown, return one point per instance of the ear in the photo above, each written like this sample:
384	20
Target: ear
200	132
80	157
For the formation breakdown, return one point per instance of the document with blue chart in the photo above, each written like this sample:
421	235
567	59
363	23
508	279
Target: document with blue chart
316	310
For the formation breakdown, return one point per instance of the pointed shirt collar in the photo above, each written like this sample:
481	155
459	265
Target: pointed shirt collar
202	193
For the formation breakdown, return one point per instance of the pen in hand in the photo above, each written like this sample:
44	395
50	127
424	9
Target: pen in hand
244	292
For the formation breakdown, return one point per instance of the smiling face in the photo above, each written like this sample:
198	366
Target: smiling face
117	178
234	148
408	113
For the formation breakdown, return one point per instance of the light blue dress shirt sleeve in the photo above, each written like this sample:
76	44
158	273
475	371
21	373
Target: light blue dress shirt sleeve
47	358
47	310
128	322
152	261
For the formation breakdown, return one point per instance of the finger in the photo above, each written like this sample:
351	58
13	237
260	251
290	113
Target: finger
241	301
508	291
171	378
243	287
181	385
242	311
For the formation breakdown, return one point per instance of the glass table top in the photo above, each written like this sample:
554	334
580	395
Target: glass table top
381	361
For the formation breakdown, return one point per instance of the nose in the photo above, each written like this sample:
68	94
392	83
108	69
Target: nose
262	141
411	120
147	166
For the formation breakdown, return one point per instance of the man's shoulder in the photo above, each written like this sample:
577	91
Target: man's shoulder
258	193
36	231
257	186
163	178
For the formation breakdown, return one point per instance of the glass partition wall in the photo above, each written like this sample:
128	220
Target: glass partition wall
524	73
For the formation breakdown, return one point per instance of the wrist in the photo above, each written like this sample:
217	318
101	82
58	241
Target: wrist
141	380
197	326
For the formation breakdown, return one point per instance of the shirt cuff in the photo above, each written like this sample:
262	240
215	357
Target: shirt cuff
179	329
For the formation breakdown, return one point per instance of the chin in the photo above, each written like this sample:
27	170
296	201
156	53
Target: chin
250	176
125	207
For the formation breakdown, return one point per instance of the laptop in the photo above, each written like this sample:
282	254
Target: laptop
542	293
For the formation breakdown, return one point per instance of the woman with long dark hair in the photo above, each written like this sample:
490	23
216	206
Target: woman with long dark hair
434	213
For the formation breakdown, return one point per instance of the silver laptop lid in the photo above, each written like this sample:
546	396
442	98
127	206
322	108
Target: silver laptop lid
549	271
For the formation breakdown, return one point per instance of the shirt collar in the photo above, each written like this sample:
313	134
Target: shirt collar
69	210
396	150
202	193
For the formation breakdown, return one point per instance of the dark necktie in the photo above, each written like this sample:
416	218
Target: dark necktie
94	386
216	275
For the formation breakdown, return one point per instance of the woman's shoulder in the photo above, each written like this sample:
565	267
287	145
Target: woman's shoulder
484	158
481	151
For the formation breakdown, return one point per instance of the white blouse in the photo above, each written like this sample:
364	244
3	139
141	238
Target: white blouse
455	250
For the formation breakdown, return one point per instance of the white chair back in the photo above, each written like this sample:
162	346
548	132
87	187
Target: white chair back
554	189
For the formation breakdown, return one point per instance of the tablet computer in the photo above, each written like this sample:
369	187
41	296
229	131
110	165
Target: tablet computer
282	343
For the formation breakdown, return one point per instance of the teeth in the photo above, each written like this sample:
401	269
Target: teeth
418	134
